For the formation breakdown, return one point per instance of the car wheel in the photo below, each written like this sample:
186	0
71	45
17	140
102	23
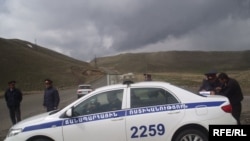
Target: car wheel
40	139
191	135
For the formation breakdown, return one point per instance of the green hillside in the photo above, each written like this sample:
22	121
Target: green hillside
182	68
177	61
30	64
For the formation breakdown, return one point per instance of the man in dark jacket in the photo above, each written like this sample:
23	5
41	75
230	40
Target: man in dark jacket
232	90
13	98
114	102
210	83
51	96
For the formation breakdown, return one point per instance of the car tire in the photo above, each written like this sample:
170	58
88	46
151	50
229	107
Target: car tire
40	139
191	135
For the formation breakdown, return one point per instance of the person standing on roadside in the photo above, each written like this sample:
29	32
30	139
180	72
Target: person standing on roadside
232	90
51	96
13	98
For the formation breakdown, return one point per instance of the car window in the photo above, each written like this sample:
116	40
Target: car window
142	97
103	102
84	87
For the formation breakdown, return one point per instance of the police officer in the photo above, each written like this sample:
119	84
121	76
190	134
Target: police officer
210	83
51	96
13	98
232	90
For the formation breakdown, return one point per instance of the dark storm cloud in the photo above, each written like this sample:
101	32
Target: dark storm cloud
156	21
84	29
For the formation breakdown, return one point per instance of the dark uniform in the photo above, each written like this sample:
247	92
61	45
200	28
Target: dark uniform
232	90
51	96
13	98
211	83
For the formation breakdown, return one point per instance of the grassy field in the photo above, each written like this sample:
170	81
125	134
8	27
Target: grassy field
176	61
189	81
182	68
192	81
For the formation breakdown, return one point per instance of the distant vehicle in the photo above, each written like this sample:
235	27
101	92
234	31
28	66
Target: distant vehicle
83	89
142	111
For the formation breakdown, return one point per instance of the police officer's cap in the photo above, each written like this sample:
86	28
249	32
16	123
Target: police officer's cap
211	72
48	81
12	82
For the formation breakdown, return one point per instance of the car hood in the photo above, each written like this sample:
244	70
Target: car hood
37	119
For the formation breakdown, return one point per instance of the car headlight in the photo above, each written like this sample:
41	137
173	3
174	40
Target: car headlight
14	132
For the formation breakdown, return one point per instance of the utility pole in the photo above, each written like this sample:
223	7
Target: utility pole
35	41
95	62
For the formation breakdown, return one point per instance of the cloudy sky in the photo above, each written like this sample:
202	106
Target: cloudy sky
85	29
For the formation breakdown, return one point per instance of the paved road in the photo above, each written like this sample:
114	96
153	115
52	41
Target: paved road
32	104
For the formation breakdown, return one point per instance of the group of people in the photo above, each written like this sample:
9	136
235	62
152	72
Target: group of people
14	96
222	84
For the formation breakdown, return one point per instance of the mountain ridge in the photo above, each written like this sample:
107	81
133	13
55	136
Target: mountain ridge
177	61
29	64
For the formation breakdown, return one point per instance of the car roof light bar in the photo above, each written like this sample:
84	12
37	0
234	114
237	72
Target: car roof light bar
127	82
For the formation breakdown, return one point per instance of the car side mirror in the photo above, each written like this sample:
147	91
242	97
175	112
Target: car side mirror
69	112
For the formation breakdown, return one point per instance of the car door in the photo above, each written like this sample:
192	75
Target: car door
153	114
95	119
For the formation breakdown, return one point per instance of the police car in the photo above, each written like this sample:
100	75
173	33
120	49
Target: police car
142	111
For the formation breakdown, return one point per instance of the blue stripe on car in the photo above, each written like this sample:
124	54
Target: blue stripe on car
122	113
208	104
44	126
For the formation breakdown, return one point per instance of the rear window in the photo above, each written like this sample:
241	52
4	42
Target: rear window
84	87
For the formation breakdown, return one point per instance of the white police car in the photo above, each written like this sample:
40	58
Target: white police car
143	111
